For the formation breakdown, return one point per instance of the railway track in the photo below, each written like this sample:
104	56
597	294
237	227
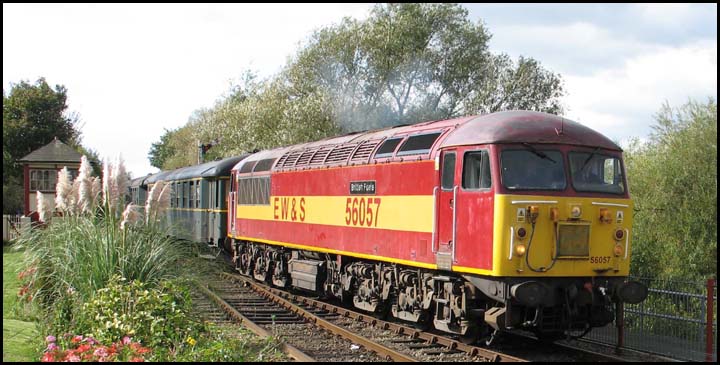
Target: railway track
312	330
391	341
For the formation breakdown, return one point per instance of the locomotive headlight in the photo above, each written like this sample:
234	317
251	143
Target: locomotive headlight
605	215
520	249
618	250
575	212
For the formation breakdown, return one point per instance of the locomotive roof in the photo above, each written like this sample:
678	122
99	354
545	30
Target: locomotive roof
500	127
526	126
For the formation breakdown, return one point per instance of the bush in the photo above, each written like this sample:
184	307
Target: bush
158	317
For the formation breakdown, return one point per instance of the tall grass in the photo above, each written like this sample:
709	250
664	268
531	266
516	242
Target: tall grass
68	258
80	254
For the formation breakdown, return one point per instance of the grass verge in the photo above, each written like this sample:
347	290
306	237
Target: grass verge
19	337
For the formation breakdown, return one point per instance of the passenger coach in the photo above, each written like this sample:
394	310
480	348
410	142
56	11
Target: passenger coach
198	204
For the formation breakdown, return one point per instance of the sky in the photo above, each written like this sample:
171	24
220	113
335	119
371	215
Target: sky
134	70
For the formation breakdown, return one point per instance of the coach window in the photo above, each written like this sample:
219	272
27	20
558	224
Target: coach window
388	147
418	144
448	171
197	193
178	193
476	170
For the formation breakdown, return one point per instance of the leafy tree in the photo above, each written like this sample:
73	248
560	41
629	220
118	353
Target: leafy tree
160	151
404	64
673	181
414	62
32	116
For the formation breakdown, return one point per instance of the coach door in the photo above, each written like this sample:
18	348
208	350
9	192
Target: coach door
232	203
445	205
213	212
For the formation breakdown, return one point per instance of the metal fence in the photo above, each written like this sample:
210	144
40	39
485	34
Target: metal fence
678	319
12	226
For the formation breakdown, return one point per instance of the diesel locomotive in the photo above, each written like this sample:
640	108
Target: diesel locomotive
505	221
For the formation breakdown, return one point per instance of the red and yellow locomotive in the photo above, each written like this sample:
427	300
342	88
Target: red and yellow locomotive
502	221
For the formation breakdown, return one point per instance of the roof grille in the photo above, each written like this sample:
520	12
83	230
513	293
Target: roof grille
340	153
362	154
304	158
320	155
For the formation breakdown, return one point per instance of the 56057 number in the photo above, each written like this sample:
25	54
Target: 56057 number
362	211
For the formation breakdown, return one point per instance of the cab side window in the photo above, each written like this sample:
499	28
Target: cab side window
448	171
476	170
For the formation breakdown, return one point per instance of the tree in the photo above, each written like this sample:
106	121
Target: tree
413	62
406	63
673	181
160	151
33	114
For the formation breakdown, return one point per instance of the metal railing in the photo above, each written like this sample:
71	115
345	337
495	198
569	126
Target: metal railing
678	319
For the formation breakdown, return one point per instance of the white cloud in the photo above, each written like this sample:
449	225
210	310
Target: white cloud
133	70
621	102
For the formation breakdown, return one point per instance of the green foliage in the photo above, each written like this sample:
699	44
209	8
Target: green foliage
412	62
32	116
226	344
673	181
76	256
161	151
158	316
405	63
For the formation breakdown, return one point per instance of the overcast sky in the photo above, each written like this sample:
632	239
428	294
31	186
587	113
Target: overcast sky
134	70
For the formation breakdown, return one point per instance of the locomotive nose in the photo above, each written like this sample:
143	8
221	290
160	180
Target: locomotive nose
632	292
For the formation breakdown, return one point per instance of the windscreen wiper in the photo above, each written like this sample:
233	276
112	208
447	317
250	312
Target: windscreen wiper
589	158
538	153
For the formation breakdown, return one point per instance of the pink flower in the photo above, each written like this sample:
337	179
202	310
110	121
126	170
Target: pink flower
100	352
76	339
52	347
50	338
72	358
126	340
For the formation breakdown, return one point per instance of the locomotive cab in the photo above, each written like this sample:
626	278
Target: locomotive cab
553	256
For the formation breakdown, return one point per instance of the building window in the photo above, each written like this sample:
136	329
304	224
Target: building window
43	180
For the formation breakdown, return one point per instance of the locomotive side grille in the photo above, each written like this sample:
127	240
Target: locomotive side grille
573	239
320	155
340	154
362	154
